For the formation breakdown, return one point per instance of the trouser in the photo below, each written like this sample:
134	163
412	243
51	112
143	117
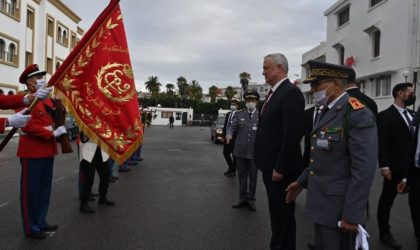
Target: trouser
87	175
386	200
229	157
35	191
414	200
247	169
282	215
327	238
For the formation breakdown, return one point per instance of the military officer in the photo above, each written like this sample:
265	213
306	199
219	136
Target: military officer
244	124
36	149
343	154
228	148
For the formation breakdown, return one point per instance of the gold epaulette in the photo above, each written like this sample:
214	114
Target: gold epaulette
356	104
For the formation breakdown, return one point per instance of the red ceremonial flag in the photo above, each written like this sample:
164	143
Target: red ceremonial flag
96	84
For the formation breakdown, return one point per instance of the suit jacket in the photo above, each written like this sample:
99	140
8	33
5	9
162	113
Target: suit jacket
37	139
339	177
395	142
280	130
309	120
226	126
245	128
369	102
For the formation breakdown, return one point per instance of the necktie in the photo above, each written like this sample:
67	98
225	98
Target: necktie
410	127
266	99
317	109
250	116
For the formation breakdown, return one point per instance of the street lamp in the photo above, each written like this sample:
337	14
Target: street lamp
405	74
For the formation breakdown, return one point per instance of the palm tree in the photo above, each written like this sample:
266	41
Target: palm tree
213	93
244	79
153	85
182	88
170	89
230	93
195	91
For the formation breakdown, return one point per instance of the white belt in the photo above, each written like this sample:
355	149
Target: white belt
49	128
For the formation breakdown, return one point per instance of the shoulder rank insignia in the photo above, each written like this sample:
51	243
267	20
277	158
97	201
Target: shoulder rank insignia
356	104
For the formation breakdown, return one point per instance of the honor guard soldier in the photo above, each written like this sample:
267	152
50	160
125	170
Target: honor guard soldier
36	150
244	124
344	147
91	158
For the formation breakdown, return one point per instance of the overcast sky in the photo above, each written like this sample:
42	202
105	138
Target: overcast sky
213	41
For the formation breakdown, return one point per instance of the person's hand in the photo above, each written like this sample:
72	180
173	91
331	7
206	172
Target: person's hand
59	131
386	173
401	187
43	93
293	190
348	227
18	120
228	138
276	176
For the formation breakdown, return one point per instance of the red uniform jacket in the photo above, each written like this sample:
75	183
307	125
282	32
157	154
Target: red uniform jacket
9	102
37	139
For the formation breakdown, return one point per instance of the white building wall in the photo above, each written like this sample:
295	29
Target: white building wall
398	23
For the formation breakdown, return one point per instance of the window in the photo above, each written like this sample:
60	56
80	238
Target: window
59	35
28	59
341	52
12	51
343	16
50	24
13	7
73	40
2	49
1	92
374	2
49	66
62	35
65	37
3	5
30	19
362	86
381	86
376	42
166	114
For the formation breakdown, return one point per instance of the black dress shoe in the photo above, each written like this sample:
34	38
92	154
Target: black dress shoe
389	240
37	235
251	206
112	180
94	194
227	172
115	177
240	204
311	246
105	201
91	198
48	228
86	209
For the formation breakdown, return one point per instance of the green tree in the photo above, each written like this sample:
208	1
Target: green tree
230	93
170	89
213	93
153	85
195	92
244	79
182	87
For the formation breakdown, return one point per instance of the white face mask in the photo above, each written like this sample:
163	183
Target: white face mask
233	107
320	97
40	83
251	106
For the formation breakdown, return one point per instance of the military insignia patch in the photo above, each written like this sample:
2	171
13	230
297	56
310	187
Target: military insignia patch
356	104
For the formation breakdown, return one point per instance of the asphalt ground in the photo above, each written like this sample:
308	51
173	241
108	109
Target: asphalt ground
177	198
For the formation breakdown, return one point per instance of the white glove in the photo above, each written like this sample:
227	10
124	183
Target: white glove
59	131
18	120
43	93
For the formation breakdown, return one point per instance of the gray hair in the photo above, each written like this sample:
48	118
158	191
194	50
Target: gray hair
279	58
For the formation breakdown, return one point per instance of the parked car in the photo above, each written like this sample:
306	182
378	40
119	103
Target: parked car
216	130
72	128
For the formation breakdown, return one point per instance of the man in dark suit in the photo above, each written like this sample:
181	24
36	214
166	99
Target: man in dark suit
277	147
413	181
228	147
355	92
396	142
